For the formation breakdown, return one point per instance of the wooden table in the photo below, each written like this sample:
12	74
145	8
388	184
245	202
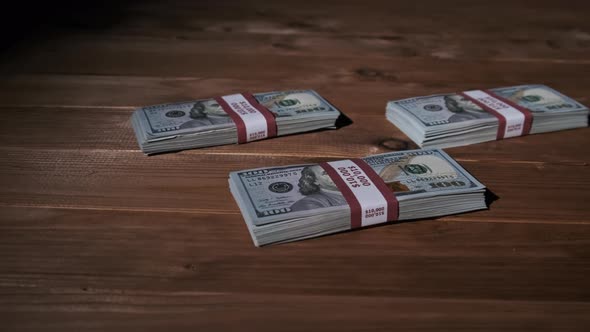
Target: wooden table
94	235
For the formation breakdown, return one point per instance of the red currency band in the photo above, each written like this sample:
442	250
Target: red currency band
500	117
388	194
528	115
353	203
351	198
238	121
271	125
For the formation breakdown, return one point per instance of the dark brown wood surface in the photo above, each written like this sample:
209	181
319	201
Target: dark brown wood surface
94	235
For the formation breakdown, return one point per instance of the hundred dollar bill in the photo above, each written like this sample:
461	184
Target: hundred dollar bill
426	183
205	122
455	119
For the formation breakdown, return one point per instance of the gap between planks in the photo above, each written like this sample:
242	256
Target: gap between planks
171	294
296	155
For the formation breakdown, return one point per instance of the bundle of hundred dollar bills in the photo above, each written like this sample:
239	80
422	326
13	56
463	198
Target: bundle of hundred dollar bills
290	203
237	118
476	116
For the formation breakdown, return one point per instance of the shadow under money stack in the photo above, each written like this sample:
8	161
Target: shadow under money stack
237	118
283	204
478	116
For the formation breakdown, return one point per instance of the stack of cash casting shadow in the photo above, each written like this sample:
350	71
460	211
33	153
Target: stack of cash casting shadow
290	203
476	116
283	204
214	121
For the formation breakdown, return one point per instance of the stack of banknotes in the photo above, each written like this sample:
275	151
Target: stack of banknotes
205	122
457	119
283	204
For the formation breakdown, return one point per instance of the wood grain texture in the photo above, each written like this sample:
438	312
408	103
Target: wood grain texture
96	236
191	182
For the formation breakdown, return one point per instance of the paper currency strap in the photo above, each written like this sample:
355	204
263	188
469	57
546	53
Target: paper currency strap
371	201
513	119
253	121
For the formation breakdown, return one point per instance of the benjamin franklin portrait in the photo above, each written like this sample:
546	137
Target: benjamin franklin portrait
464	109
319	190
206	113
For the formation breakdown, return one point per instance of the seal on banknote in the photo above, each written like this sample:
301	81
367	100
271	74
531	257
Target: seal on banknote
433	108
280	187
175	114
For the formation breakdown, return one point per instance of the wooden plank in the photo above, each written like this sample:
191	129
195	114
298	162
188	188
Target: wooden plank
548	46
187	311
350	11
105	253
99	129
336	17
550	25
355	87
229	312
190	59
196	183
